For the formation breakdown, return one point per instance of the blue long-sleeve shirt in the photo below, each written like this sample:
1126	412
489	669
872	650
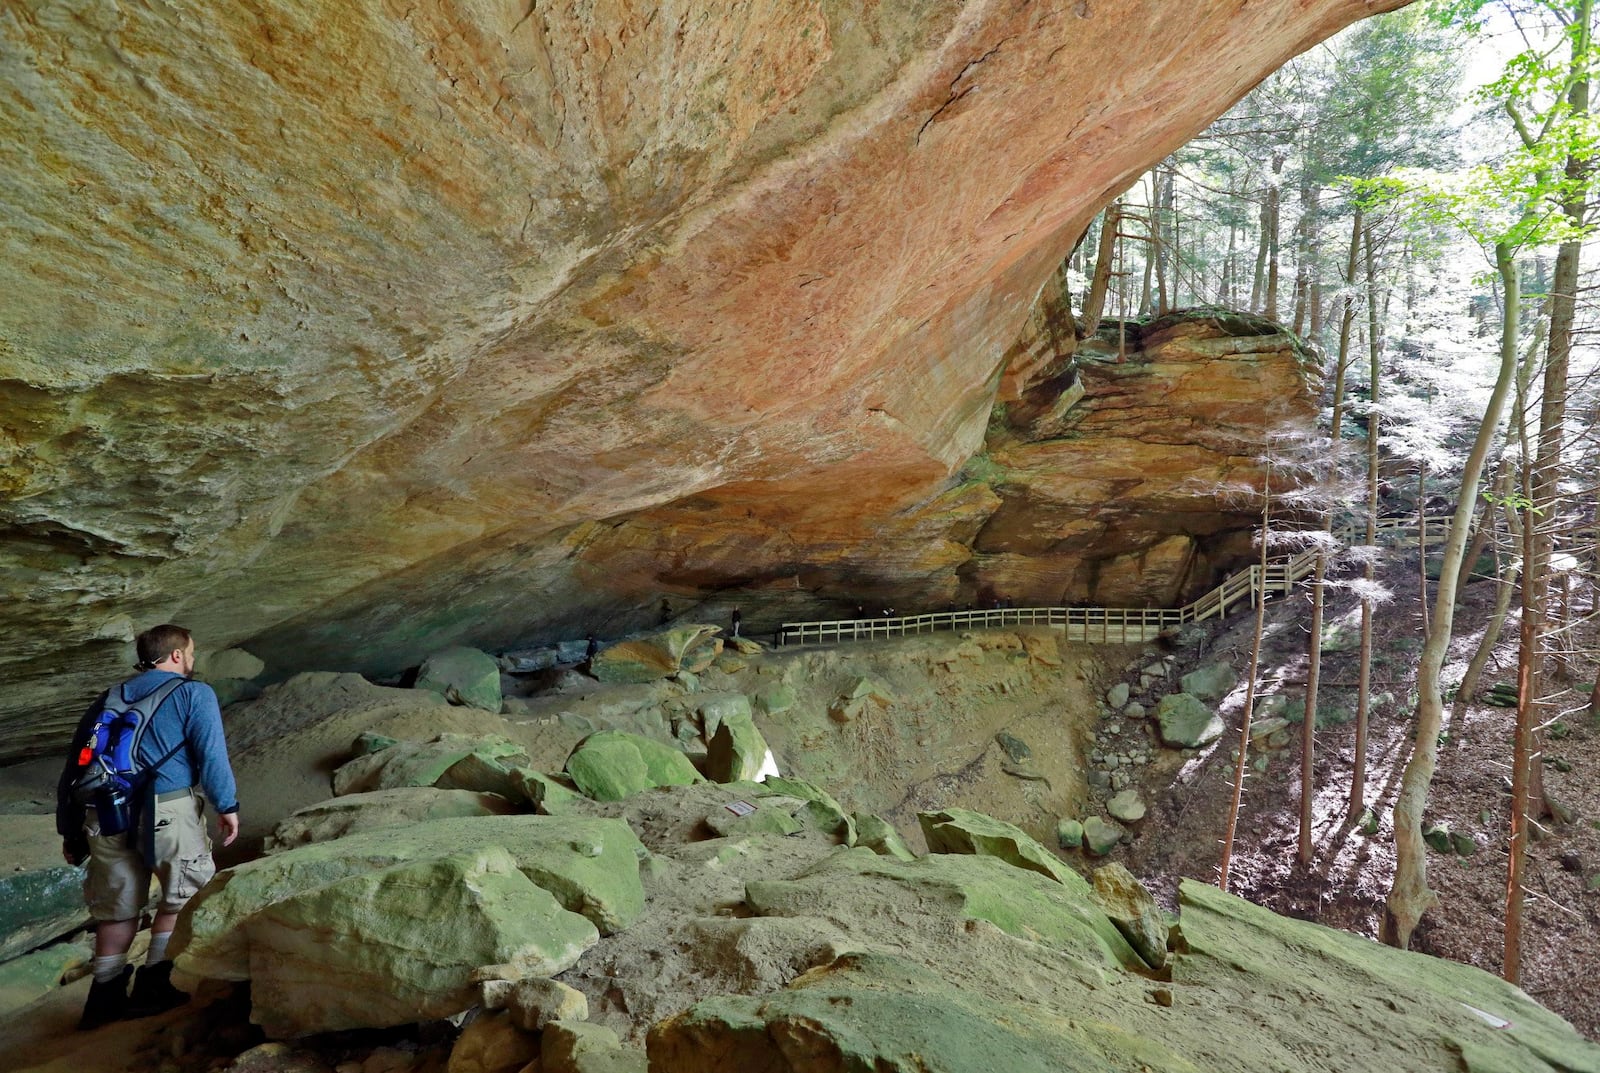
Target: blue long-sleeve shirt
189	716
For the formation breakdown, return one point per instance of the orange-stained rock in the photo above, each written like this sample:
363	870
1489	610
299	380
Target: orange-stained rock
355	330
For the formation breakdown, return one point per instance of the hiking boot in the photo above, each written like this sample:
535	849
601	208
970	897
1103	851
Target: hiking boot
153	992
108	1001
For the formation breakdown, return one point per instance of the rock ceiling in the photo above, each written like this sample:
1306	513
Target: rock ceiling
350	330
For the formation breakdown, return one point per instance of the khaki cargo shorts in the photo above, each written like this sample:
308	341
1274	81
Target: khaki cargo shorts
117	884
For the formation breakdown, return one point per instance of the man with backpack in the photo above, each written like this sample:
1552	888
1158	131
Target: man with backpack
129	802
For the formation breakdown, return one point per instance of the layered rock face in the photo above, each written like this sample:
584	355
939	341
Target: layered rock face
357	330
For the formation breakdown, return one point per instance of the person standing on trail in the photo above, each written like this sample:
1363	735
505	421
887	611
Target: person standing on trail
180	755
736	619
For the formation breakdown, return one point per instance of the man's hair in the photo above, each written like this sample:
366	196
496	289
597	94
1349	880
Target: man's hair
159	642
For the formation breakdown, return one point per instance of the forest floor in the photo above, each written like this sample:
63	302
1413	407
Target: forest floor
1348	880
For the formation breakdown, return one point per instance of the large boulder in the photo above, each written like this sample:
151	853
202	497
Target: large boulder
463	676
690	648
959	830
449	761
737	751
533	1002
402	805
1211	682
41	896
591	866
611	765
1187	722
401	944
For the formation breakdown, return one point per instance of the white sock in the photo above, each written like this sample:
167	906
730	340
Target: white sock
109	967
158	947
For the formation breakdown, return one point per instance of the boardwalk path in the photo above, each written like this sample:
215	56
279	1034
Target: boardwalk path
1106	625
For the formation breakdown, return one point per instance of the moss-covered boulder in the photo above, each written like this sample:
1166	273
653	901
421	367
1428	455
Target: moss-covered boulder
1187	722
449	761
1100	835
463	676
1211	682
770	816
1063	916
959	830
611	765
401	944
878	1012
591	867
548	794
880	836
1363	1006
402	805
737	751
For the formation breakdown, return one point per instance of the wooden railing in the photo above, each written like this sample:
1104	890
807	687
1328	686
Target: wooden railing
1104	625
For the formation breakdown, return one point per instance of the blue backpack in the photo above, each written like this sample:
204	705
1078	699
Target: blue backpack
109	773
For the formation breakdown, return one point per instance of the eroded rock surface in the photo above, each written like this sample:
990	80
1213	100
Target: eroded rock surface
355	331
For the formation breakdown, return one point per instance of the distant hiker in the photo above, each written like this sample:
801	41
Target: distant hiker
666	611
736	622
145	815
590	652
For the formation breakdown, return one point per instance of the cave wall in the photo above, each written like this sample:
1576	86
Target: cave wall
349	330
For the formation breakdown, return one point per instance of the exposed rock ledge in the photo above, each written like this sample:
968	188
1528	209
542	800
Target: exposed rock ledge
355	330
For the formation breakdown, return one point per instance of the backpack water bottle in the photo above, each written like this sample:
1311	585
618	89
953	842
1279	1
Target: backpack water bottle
109	772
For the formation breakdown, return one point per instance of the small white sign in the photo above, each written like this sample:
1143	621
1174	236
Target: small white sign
1488	1018
740	808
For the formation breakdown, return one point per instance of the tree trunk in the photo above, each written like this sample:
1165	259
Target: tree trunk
1274	196
1258	279
1480	543
1358	774
1502	607
1528	801
1308	725
1409	896
1160	214
1422	539
1250	686
1094	305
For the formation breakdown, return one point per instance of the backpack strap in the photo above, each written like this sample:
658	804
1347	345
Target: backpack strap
146	707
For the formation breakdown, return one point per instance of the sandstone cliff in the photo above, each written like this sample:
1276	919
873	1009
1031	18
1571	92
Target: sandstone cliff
352	330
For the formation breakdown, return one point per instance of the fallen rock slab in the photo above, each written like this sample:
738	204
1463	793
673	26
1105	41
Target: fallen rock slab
591	866
1134	911
402	805
959	830
691	648
41	896
449	761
